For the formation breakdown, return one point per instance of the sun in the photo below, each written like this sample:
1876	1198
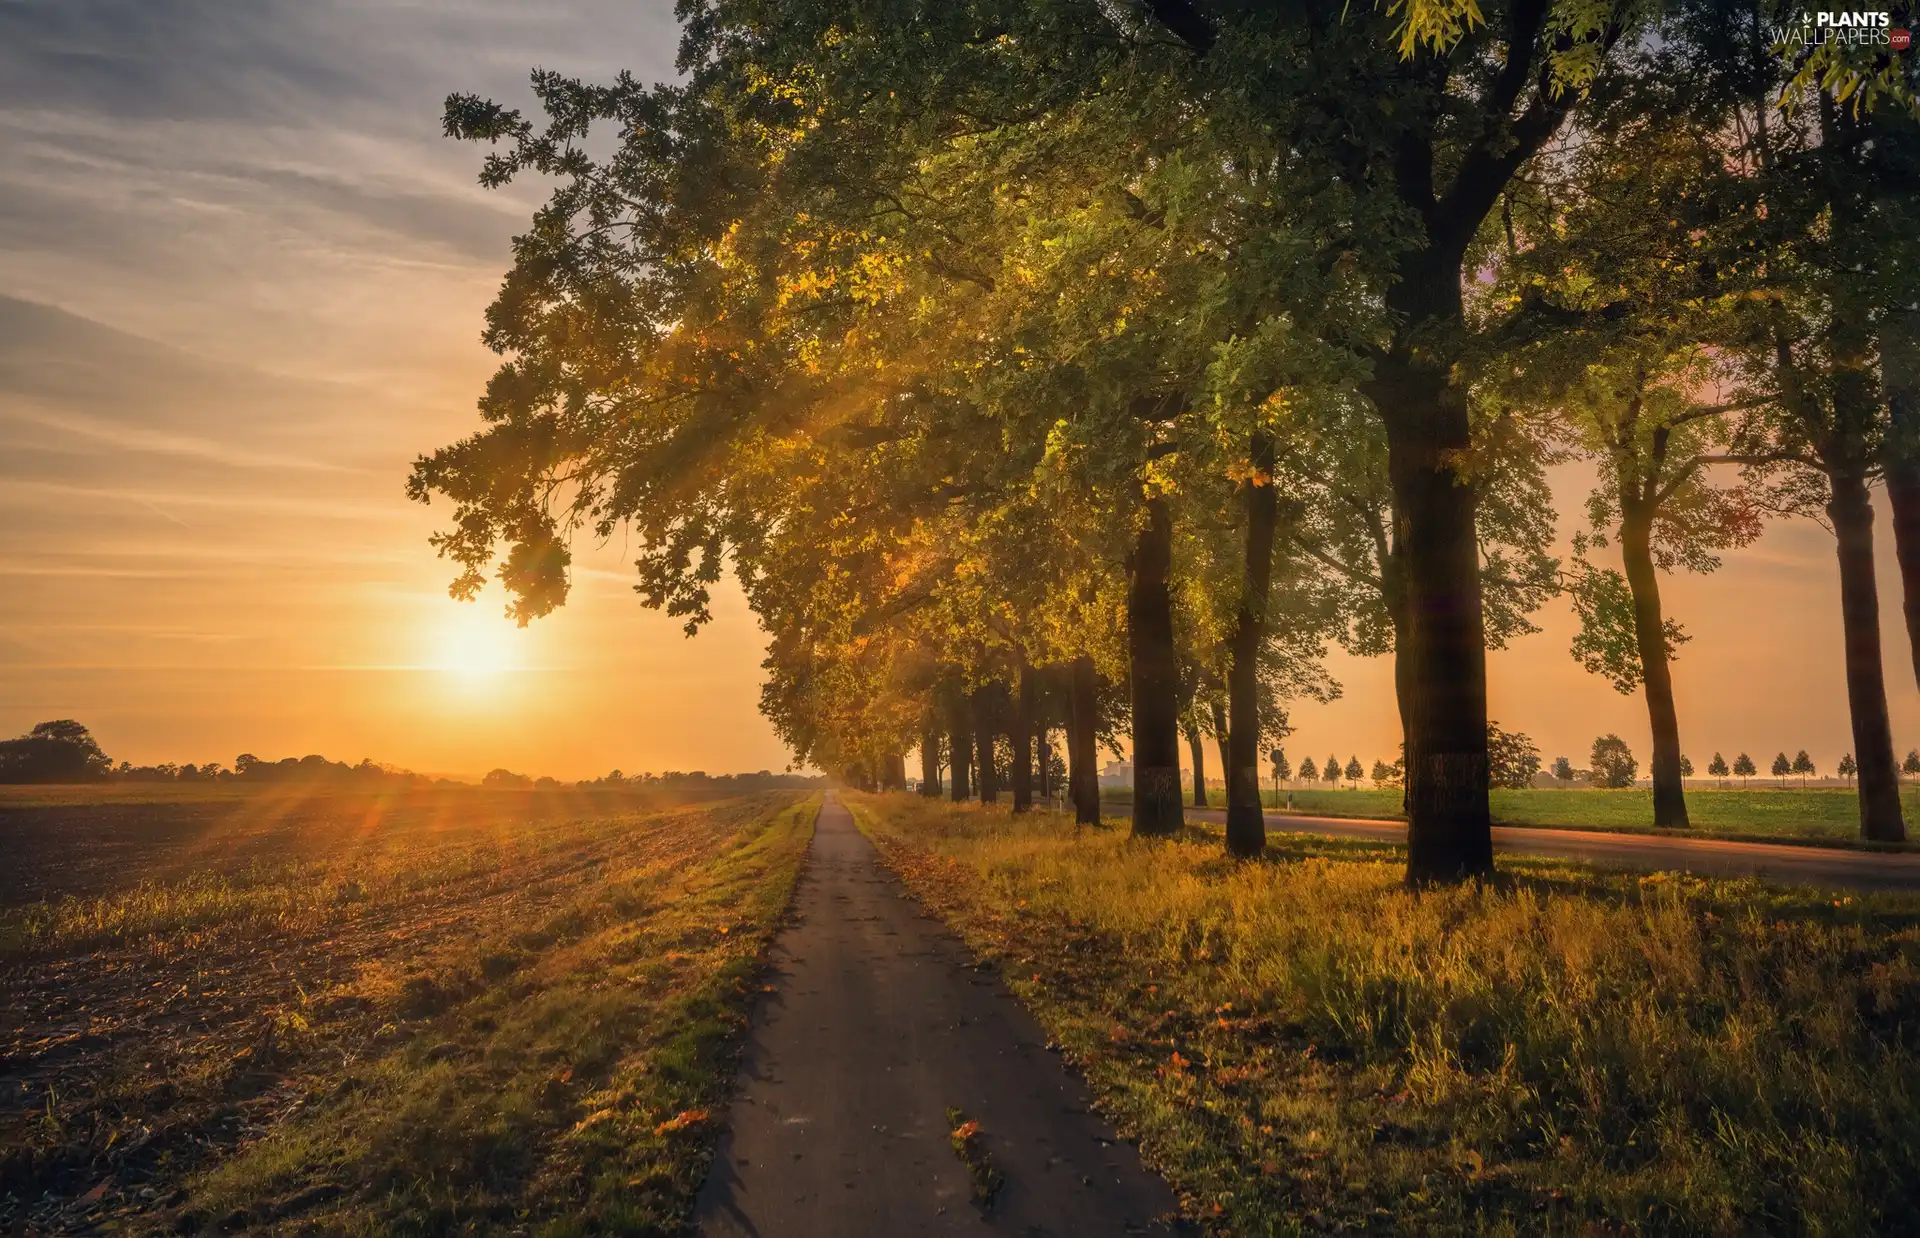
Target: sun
474	644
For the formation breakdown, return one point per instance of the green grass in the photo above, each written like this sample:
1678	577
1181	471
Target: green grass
1304	1045
1826	815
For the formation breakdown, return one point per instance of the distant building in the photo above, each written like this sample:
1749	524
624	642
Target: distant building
1117	774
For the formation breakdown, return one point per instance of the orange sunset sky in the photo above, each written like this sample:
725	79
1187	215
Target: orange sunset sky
241	285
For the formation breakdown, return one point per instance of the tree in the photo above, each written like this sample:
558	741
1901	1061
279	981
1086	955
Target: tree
825	315
1813	250
1331	770
1803	766
1718	769
1355	772
1512	758
1308	771
1425	167
1744	767
1612	763
1848	767
59	751
1912	764
1781	768
1686	768
1278	760
1562	769
1628	372
506	780
1467	140
1383	775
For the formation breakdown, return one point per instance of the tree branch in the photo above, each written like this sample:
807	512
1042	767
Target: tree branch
1188	23
1701	411
1764	458
1345	569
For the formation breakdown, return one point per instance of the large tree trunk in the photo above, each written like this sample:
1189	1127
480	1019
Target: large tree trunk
1083	781
1197	751
1043	758
1449	824
893	776
1246	823
985	761
960	748
930	759
1900	372
1656	673
1155	672
1022	737
1851	511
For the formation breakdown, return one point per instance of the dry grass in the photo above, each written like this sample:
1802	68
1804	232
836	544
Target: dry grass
480	1024
1305	1045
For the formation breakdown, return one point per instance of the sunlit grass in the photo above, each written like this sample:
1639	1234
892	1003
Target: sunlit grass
482	1022
1304	1042
1825	814
567	1074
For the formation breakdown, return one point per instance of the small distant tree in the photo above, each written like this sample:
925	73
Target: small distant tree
1281	770
1382	774
1781	768
1613	764
506	780
1562	769
1308	773
1512	760
1912	764
1718	768
1355	772
1744	768
1686	769
1848	767
1331	770
1056	767
1803	766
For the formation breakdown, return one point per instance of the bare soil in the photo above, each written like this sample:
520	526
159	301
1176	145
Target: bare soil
127	1065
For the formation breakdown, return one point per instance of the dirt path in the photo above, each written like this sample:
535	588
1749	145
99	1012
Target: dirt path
879	1023
1708	857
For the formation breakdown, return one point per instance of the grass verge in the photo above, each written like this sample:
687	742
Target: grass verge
1303	1045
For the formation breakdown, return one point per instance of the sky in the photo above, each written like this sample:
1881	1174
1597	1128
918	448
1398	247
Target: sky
241	285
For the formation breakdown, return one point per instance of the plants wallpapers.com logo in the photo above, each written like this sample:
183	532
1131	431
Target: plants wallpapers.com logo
1850	29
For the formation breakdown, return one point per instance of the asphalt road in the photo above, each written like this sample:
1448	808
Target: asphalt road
1708	857
879	1023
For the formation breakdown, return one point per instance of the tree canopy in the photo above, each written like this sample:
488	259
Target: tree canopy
58	751
1097	367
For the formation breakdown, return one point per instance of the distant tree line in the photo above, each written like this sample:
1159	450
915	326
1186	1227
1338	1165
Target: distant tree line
672	780
65	751
1612	764
1513	760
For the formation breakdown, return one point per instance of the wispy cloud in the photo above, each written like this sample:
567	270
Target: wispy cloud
124	438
